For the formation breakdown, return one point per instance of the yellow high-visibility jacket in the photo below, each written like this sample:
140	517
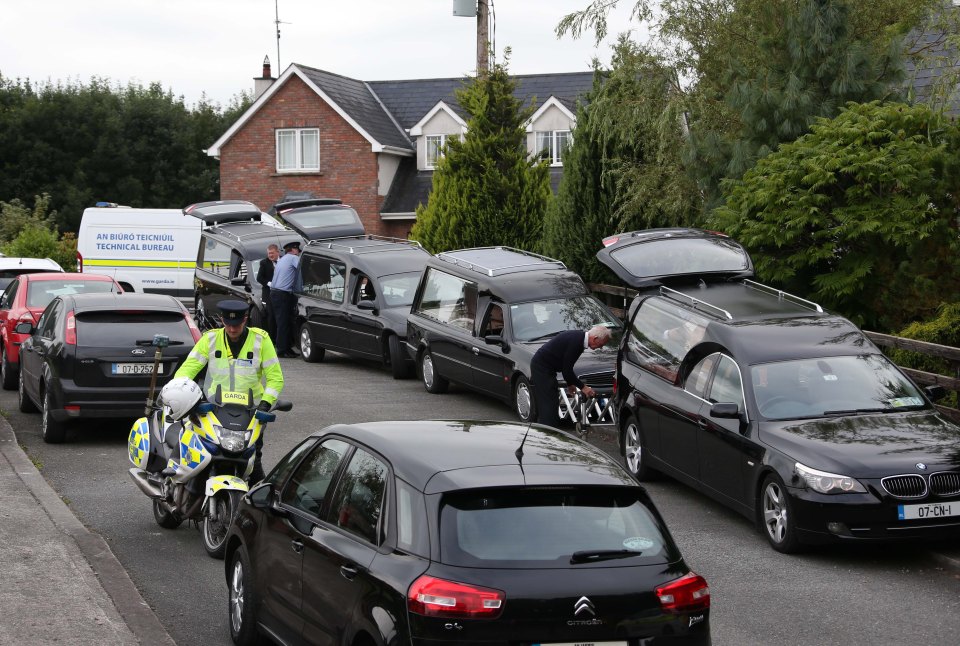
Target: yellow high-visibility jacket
257	363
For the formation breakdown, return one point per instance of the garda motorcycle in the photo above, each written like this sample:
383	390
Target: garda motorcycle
194	457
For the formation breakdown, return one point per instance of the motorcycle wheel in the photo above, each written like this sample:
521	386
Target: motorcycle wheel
216	521
164	518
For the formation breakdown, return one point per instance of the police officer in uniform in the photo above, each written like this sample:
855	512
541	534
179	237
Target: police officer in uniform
238	359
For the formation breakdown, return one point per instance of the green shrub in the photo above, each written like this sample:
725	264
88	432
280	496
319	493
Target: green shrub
944	329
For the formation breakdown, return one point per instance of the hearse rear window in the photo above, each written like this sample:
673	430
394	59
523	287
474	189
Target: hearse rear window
449	299
661	334
127	328
548	527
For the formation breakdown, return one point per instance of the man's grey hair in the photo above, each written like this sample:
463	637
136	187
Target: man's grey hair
273	247
600	333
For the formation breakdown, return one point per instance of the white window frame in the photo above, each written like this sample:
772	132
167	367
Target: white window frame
554	154
300	166
426	150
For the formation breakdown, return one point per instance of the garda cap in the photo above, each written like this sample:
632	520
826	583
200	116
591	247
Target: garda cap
294	244
232	311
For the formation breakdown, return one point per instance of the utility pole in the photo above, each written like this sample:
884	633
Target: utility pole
483	38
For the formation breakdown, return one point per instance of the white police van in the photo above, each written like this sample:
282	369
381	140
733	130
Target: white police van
150	251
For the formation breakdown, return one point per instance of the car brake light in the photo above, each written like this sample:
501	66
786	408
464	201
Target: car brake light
689	593
194	330
434	597
70	338
79	262
611	240
26	317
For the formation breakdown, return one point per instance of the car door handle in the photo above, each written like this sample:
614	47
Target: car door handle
350	570
702	423
297	545
475	350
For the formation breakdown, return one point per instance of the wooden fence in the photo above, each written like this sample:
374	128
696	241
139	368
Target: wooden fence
618	299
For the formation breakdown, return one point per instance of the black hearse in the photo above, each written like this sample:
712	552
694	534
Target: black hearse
234	241
776	408
355	298
479	316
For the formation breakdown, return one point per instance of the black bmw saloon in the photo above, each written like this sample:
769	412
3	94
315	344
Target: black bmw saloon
769	404
456	532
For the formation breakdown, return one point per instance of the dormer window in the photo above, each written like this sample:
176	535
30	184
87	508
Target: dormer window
298	150
551	144
435	145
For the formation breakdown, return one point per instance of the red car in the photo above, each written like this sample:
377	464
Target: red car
24	300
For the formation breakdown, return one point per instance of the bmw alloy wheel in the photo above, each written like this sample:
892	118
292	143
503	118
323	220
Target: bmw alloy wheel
777	518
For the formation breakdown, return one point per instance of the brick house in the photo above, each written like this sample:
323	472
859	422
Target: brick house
372	144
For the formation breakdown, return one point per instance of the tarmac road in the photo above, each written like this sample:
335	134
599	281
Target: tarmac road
861	595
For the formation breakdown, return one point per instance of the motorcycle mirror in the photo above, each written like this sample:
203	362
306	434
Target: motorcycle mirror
283	405
264	416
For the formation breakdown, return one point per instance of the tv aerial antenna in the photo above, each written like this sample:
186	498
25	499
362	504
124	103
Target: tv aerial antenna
277	22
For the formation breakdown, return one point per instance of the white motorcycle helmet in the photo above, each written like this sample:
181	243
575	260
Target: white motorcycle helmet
180	396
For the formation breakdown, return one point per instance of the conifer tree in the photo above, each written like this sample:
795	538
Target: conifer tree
623	171
486	190
809	66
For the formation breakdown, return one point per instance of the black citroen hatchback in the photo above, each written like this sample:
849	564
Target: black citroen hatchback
447	532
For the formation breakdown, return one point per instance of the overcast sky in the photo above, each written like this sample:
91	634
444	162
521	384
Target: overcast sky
217	47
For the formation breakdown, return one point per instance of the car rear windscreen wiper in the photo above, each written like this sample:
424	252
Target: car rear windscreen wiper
589	556
150	342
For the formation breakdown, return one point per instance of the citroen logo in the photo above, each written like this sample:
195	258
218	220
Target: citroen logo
921	466
138	351
583	605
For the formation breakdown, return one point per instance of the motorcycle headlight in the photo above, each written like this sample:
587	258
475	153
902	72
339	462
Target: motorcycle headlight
824	482
231	440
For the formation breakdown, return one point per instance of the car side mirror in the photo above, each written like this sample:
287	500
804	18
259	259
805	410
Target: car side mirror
366	304
496	339
935	393
265	496
725	411
24	328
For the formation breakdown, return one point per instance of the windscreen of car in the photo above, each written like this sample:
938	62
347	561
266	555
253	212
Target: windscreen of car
542	527
832	386
128	327
399	289
679	256
539	320
40	293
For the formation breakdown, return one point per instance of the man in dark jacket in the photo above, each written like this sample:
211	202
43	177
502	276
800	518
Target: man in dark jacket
560	354
264	276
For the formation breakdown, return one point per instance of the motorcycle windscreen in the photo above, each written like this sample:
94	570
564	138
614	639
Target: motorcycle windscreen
645	258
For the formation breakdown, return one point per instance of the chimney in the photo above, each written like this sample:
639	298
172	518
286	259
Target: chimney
260	85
